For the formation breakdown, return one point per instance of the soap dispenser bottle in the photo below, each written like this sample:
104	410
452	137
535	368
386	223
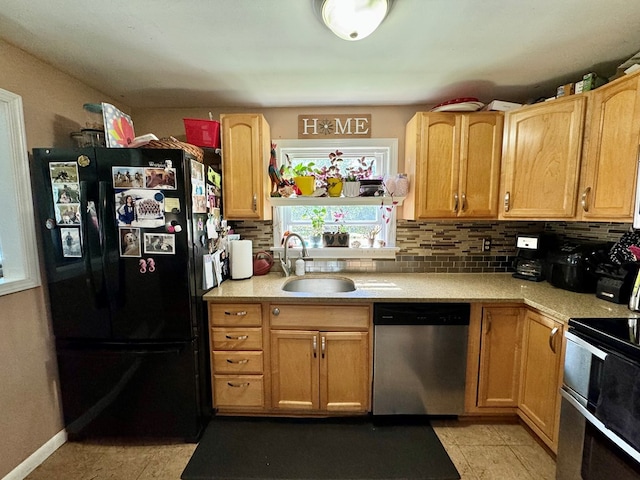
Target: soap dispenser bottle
300	266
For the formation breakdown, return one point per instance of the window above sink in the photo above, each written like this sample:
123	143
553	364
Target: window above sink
363	217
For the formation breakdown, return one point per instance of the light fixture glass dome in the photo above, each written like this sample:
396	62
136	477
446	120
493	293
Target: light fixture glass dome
354	19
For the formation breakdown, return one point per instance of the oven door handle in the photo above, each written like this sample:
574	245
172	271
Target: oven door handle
585	345
589	417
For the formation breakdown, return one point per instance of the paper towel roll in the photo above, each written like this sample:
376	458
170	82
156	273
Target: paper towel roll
241	259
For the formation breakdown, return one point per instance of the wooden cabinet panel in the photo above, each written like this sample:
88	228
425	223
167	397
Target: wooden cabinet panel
237	362
237	357
319	362
246	147
344	378
480	157
236	338
438	166
611	151
499	376
453	163
327	317
541	159
295	370
233	391
232	314
541	375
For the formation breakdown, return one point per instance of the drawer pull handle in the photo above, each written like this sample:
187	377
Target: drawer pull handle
455	202
507	201
324	346
242	313
237	337
315	347
238	362
238	385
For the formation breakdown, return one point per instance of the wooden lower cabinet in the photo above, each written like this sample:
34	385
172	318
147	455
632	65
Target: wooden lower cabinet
237	357
542	356
499	376
515	366
317	370
493	360
320	358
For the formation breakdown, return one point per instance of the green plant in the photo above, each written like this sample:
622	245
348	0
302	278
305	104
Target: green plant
317	216
302	169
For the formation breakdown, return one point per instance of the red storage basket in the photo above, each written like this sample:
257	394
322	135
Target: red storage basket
203	133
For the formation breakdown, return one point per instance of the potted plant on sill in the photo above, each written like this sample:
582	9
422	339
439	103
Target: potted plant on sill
361	171
331	177
317	216
339	238
303	176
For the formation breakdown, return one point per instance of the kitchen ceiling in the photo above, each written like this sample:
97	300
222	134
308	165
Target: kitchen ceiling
277	53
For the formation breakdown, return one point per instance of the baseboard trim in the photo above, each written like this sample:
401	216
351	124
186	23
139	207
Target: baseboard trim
37	457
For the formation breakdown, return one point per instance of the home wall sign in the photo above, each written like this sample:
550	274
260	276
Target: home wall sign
334	126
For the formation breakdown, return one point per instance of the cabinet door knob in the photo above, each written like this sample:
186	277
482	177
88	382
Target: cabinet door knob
507	201
276	311
585	199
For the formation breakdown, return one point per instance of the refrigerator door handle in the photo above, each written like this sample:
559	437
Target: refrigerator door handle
111	281
85	243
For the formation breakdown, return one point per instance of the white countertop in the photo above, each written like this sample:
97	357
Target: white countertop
426	287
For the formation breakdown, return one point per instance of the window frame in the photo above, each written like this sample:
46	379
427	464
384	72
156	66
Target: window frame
387	148
18	248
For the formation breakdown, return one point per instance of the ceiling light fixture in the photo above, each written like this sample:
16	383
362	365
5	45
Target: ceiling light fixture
354	19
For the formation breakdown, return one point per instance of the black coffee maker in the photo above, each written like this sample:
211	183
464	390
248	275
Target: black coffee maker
529	263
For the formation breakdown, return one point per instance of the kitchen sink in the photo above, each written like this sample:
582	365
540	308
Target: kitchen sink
320	285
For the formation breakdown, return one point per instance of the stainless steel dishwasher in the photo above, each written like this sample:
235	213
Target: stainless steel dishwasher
419	358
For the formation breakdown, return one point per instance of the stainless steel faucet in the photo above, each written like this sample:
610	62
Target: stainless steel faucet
285	262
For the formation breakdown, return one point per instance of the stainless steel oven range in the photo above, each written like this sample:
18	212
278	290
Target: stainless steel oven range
600	411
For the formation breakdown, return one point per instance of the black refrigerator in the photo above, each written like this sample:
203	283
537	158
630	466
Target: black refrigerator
123	233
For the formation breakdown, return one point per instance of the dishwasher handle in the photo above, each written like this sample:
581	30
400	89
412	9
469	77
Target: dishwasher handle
421	314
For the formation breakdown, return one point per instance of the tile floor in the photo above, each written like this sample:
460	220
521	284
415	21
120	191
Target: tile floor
480	451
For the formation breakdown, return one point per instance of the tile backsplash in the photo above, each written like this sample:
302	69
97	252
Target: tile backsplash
447	247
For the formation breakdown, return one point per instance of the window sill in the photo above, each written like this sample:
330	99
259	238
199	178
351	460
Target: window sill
338	252
295	201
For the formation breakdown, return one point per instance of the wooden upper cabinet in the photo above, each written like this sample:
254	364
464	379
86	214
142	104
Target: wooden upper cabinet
453	163
246	147
610	158
480	156
541	159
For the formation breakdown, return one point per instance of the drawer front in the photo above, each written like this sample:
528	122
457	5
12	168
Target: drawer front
235	314
238	391
237	362
236	338
320	317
